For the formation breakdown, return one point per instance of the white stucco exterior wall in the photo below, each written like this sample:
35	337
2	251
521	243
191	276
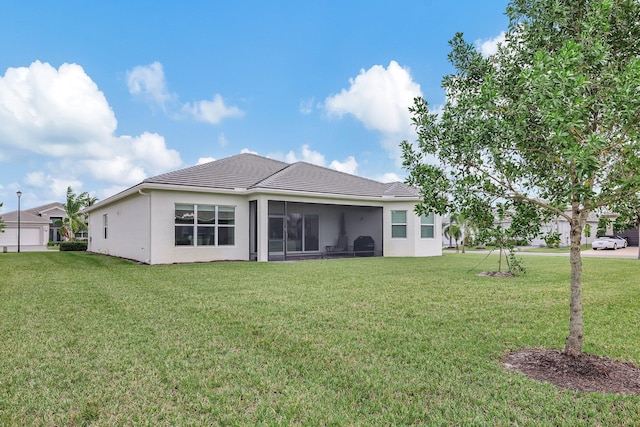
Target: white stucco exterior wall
413	245
141	225
163	247
128	232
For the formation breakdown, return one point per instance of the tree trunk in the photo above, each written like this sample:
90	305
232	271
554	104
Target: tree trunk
573	347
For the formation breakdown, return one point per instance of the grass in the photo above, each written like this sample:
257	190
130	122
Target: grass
93	340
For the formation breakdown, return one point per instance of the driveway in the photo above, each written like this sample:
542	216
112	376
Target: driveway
628	252
24	248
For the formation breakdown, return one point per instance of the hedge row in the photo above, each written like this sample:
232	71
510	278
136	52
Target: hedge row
73	246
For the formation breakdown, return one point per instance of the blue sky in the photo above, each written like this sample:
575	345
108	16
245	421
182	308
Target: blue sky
100	95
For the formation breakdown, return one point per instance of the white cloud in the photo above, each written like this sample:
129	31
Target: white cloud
378	97
348	166
54	112
150	151
437	109
388	177
132	159
119	170
306	155
490	46
211	111
203	160
61	114
148	82
222	140
35	179
247	151
56	187
110	191
306	106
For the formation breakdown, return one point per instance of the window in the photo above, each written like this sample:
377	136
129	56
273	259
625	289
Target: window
427	226
204	225
226	225
399	224
184	225
105	224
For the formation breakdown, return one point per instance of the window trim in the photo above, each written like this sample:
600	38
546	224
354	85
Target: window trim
399	225
424	225
200	223
105	225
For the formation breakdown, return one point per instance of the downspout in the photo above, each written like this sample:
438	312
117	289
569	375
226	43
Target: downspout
142	193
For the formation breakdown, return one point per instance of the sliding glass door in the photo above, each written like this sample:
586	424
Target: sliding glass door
302	232
291	229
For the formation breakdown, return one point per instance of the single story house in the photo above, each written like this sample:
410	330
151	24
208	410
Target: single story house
248	207
38	226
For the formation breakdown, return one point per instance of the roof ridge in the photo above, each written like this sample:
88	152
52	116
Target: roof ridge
273	175
243	170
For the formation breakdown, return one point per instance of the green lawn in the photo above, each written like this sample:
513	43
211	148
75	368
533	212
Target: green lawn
93	340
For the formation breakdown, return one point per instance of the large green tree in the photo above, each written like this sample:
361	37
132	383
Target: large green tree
548	126
75	220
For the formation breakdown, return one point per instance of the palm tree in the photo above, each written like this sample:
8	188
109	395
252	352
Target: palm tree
460	228
453	230
75	220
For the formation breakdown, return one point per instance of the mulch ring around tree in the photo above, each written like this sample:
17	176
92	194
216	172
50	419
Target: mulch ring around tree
585	372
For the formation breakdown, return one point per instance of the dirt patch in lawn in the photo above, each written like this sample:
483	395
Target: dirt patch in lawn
496	274
579	373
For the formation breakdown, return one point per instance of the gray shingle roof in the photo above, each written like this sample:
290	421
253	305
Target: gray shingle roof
32	214
241	171
251	171
310	178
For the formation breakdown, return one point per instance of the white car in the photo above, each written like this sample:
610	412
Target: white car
609	242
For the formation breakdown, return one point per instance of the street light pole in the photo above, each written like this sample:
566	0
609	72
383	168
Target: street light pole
19	194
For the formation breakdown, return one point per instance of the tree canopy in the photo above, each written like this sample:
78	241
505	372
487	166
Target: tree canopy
547	126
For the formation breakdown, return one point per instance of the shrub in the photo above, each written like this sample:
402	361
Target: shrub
552	239
73	246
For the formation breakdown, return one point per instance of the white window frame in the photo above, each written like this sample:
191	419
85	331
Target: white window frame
216	225
395	224
426	222
105	225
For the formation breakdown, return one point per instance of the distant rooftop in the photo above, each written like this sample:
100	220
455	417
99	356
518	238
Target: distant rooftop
38	214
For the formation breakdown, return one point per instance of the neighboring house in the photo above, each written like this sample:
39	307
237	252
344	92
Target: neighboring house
249	207
560	225
38	225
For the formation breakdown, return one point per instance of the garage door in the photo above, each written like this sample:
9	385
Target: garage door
632	236
30	236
